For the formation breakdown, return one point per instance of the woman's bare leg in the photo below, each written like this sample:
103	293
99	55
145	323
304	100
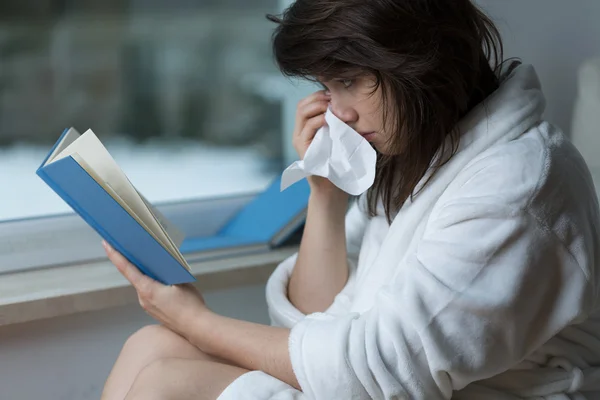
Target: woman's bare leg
181	379
149	344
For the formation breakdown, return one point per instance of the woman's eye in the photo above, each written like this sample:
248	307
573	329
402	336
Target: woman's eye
347	83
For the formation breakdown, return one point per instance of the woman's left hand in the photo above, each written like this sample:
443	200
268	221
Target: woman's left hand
173	306
181	308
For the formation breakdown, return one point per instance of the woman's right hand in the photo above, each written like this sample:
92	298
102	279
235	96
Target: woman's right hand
310	116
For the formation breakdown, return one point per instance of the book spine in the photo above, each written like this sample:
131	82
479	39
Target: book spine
62	136
90	221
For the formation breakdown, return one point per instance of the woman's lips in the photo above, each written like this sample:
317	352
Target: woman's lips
369	136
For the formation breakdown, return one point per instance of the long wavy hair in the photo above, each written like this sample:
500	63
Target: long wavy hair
433	59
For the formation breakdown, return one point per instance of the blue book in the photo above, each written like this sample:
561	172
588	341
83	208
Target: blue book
82	172
266	222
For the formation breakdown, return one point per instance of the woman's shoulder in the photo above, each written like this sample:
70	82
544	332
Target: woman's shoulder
539	168
539	176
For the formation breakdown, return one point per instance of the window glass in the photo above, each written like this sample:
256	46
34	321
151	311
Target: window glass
181	92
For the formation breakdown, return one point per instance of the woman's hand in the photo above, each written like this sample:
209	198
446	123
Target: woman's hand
173	306
181	308
310	116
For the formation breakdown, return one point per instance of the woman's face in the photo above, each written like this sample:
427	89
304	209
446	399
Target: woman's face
354	102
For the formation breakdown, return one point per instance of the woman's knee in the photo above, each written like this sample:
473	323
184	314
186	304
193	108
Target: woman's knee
147	334
153	383
157	339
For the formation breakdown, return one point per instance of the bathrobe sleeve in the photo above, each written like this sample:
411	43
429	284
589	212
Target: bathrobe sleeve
281	311
488	284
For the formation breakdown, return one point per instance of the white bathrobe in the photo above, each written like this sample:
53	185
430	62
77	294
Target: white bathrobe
484	287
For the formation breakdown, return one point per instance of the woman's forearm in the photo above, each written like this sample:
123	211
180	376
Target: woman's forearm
320	273
245	344
321	270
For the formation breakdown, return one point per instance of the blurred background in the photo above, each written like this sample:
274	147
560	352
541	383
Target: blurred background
187	98
183	93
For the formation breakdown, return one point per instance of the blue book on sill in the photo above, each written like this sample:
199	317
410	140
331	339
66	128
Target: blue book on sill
266	221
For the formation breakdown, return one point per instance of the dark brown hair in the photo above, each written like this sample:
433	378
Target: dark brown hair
433	59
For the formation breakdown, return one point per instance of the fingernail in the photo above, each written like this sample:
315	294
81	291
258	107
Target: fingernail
327	93
106	245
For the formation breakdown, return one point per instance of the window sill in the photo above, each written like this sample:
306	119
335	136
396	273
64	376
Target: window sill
46	293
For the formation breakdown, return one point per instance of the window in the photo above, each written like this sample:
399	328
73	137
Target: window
184	94
174	88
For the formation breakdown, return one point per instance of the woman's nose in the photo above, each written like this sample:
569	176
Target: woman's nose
346	114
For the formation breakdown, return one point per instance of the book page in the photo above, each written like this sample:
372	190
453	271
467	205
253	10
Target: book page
165	225
177	255
92	151
173	232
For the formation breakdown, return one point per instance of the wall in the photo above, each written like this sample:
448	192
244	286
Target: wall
556	36
69	358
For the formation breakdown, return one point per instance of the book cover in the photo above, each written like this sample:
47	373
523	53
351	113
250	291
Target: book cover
111	220
267	220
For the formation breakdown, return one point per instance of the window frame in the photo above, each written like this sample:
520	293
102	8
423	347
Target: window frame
63	239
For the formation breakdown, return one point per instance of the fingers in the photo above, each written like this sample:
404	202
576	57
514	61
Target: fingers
128	270
310	116
311	127
316	96
306	118
307	109
312	109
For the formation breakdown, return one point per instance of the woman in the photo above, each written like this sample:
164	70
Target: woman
468	271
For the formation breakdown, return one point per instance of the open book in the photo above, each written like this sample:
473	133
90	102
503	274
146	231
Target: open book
83	173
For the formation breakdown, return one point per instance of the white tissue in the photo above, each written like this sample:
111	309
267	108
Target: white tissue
337	153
